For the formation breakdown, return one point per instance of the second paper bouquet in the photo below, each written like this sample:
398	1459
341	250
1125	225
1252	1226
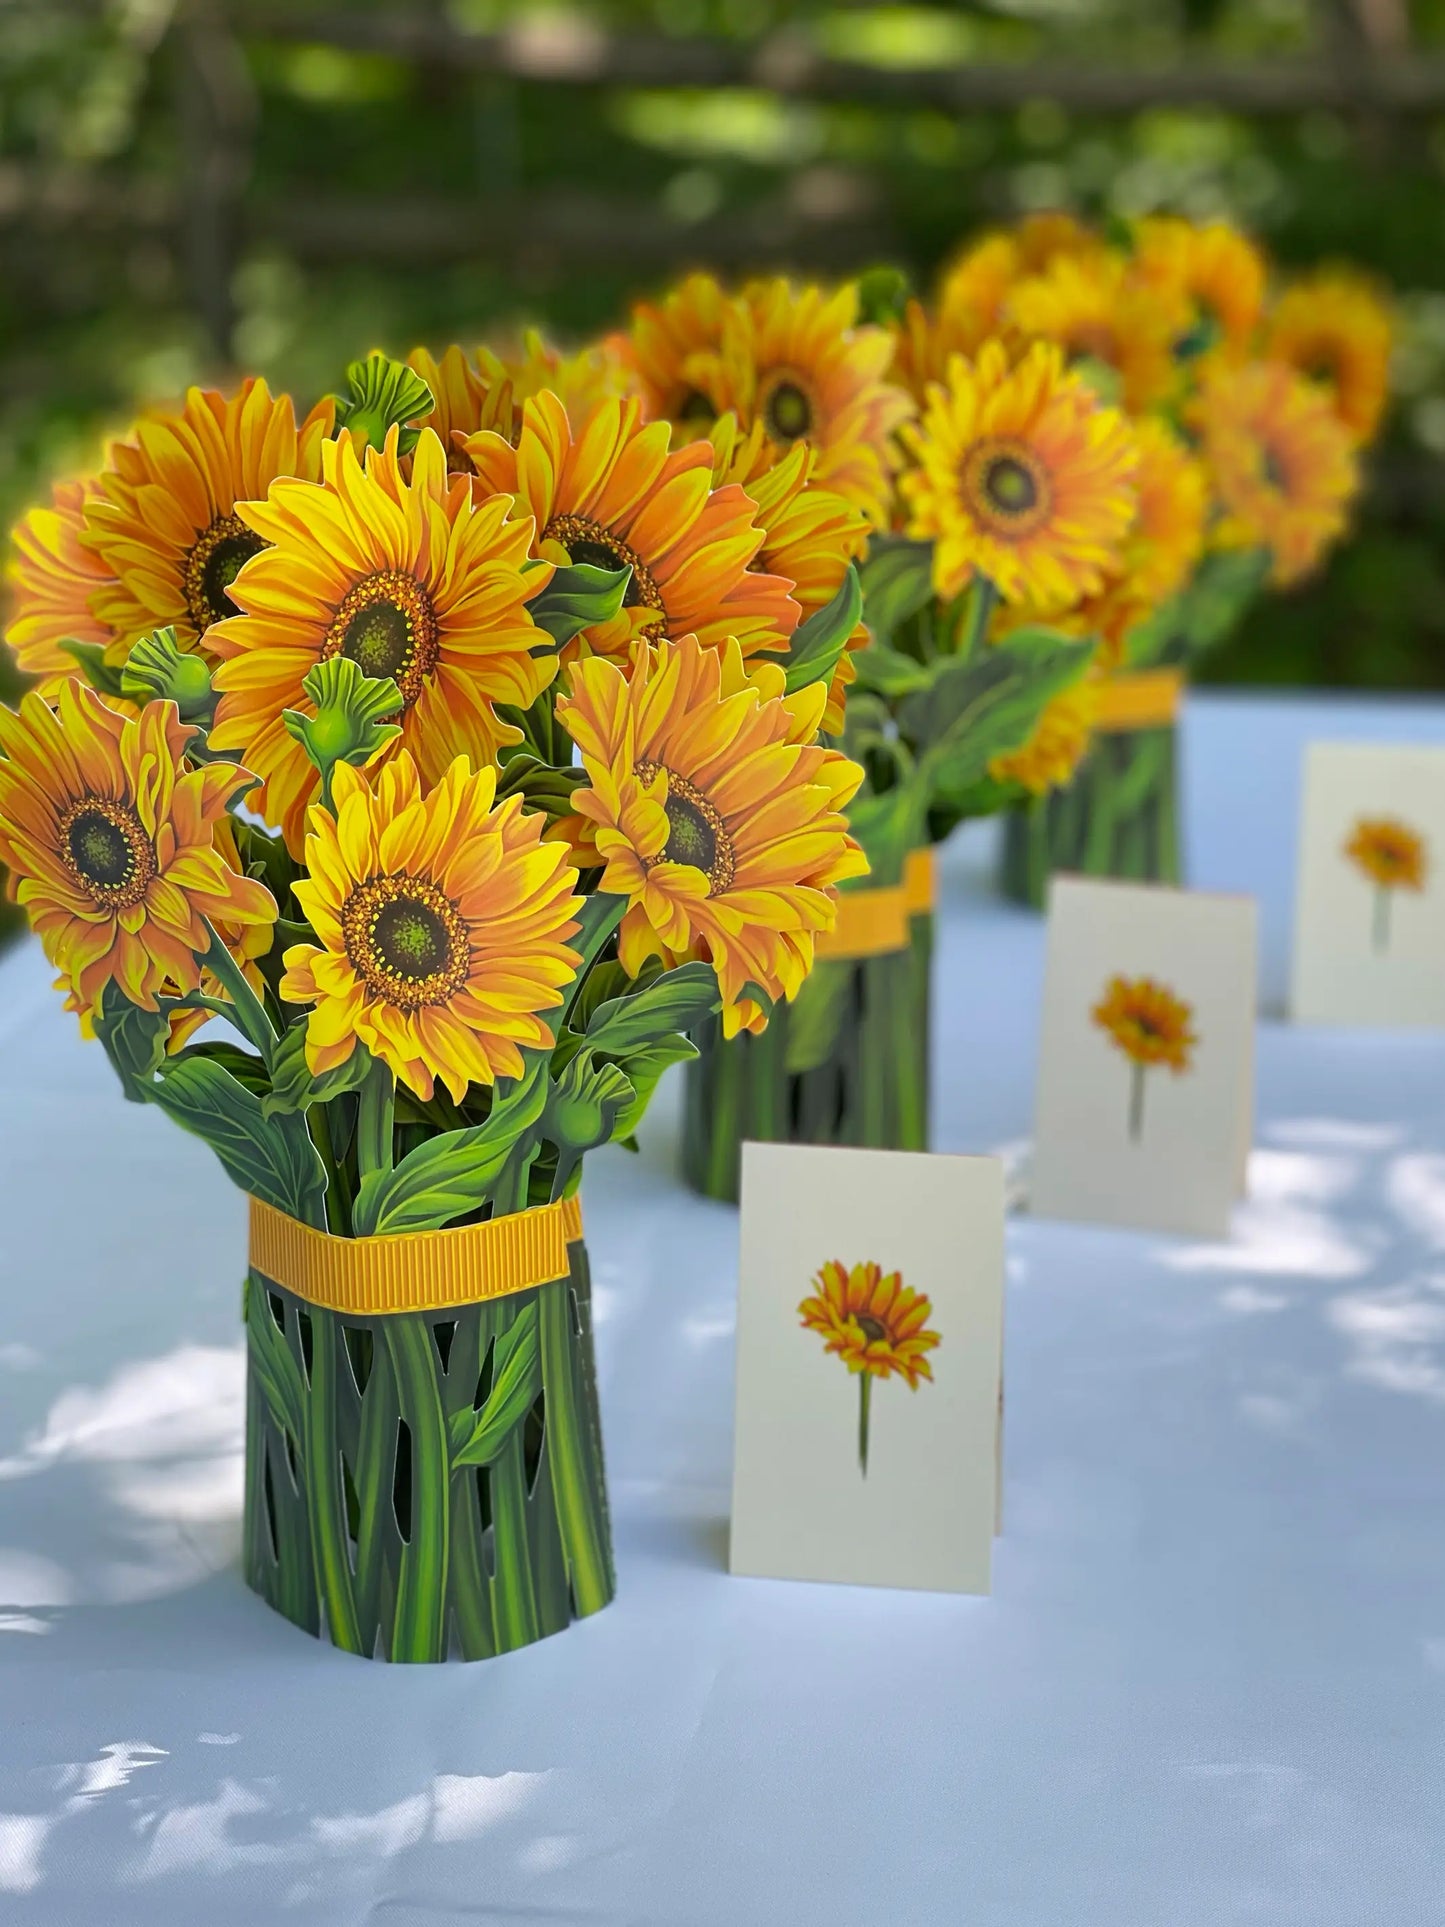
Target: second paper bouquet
446	748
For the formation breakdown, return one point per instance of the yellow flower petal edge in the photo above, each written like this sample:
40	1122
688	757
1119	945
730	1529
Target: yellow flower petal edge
872	1321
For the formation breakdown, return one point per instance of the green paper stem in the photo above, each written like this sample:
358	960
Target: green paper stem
865	1404
419	1628
1137	1074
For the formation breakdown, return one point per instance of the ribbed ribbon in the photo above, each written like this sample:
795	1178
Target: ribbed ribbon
873	922
1148	699
415	1270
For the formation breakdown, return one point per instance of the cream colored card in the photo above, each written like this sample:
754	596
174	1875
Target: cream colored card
890	1262
1369	939
1144	1110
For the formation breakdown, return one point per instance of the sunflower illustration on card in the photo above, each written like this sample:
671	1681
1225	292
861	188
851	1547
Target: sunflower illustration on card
870	1304
1145	1080
1369	912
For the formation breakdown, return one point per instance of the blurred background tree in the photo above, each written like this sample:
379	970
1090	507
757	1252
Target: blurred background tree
188	185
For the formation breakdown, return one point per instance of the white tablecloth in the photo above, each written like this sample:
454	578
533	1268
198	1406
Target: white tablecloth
1209	1687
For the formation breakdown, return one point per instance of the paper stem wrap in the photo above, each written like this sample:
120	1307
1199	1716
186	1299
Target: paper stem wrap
424	1469
846	1062
1119	816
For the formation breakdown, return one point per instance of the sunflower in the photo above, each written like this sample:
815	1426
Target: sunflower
1335	330
53	577
165	522
1213	276
443	920
488	393
1098	313
809	534
795	360
116	850
1052	235
412	579
717	815
1057	746
1282	463
1147	1022
968	312
1388	852
615	494
1023	476
872	1321
670	353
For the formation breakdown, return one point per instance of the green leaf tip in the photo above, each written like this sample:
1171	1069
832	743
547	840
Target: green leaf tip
816	644
104	677
383	394
577	598
158	669
882	294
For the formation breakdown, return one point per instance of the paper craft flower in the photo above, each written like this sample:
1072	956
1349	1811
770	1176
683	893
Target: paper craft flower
876	1324
1336	331
614	493
1391	856
1023	477
1282	463
1214	274
719	818
1099	313
406	575
53	579
968	313
165	519
1151	1026
443	921
117	851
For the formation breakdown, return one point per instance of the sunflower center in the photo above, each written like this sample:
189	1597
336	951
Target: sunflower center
872	1328
406	941
591	543
696	833
107	851
695	407
1006	487
387	625
787	409
216	558
1273	470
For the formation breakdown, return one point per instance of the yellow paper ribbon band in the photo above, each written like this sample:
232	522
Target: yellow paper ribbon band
415	1270
919	880
870	924
1146	700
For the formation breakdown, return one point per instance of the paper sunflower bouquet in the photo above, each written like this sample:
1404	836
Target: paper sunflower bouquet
1250	406
948	717
429	769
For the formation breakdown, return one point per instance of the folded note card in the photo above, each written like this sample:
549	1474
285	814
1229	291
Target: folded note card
870	1311
1369	945
1146	1056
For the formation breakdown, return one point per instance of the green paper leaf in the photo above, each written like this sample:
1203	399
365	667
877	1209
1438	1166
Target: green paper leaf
382	394
478	1436
888	672
815	645
271	1158
542	786
815	1016
244	1065
134	1040
451	1176
577	598
350	723
897	579
987	705
159	670
101	675
293	1087
673	1002
274	1364
644	1070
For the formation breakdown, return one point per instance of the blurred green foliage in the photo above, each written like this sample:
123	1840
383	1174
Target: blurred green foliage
384	201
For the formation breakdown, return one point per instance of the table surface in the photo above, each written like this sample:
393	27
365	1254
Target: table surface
1208	1687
